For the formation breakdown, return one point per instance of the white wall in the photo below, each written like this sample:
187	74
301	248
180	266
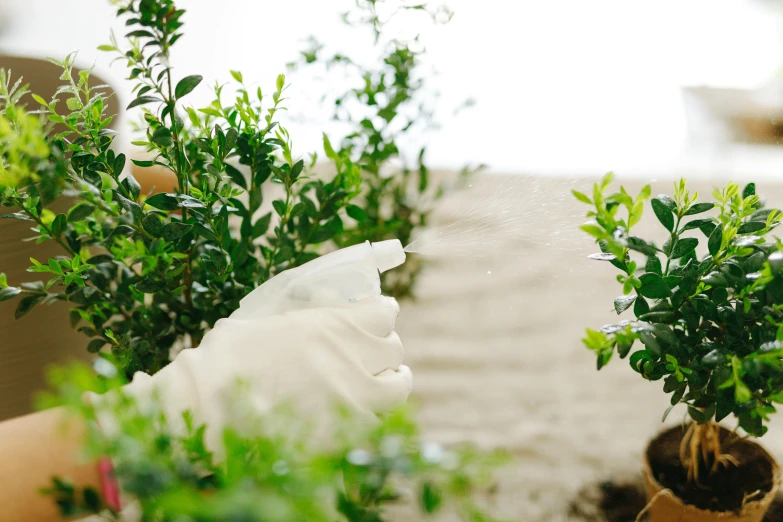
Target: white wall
563	86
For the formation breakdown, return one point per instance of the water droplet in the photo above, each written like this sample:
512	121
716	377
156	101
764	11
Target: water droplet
489	272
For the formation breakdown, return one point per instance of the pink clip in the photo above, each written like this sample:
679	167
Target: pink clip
111	490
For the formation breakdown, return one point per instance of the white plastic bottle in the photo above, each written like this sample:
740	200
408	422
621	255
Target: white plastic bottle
341	277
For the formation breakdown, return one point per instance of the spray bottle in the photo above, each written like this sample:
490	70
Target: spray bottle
345	276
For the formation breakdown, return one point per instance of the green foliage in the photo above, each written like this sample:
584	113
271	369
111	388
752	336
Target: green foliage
708	302
271	471
150	272
145	273
387	105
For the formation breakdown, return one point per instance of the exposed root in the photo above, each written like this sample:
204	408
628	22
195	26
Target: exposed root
750	496
701	443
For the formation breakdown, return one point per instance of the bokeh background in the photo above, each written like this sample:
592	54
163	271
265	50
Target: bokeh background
562	91
562	87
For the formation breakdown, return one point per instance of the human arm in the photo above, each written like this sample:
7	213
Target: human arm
33	448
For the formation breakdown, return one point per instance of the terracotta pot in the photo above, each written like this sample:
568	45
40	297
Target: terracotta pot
43	336
664	506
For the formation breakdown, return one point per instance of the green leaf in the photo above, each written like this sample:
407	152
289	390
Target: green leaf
101	259
152	224
663	213
666	413
697	415
80	212
175	272
280	82
640	245
142	100
187	84
623	303
298	210
163	201
59	225
715	241
751	226
715	279
698	223
162	137
296	170
16	215
236	176
9	292
657	317
654	287
27	304
749	190
140	33
698	208
640	307
175	230
279	206
328	150
96	345
130	206
430	498
604	356
262	225
189	201
237	76
357	213
143	163
149	286
321	234
3	280
684	246
231	140
582	197
742	393
653	265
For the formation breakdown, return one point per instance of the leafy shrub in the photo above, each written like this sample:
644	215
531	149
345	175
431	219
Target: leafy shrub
708	303
391	105
149	272
272	471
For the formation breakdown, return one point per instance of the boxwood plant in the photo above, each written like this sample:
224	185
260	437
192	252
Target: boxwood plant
707	305
148	273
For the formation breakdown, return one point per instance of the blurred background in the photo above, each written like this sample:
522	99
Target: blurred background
562	87
560	92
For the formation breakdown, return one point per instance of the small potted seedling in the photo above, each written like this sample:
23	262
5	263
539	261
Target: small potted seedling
708	307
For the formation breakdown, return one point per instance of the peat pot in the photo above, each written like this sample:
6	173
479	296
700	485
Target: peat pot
733	493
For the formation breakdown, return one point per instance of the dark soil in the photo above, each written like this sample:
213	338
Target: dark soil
723	490
622	502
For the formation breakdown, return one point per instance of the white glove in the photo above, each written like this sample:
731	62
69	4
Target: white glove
312	359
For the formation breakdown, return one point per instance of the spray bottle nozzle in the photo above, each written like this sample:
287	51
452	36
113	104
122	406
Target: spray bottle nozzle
388	254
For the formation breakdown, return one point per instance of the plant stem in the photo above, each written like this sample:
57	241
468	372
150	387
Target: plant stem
674	238
47	229
182	180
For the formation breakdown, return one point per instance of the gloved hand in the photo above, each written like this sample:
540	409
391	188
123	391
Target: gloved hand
312	359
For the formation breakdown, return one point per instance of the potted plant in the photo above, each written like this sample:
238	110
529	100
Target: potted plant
708	307
147	274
